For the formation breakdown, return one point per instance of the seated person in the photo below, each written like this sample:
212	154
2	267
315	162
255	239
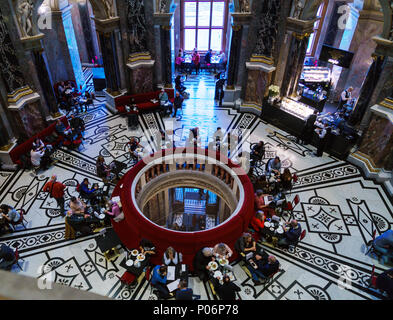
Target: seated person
273	166
77	206
221	251
264	268
165	104
185	293
171	257
227	290
133	144
384	244
114	209
291	235
38	144
103	171
85	191
245	244
201	261
147	247
61	129
35	156
385	282
9	213
257	152
259	200
83	223
77	124
258	221
286	179
7	257
262	184
158	281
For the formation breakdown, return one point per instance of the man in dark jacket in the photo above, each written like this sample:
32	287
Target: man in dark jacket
201	261
7	257
177	103
185	293
291	235
265	268
385	282
227	290
77	124
306	135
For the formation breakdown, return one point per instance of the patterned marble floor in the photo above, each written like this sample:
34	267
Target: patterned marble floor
338	207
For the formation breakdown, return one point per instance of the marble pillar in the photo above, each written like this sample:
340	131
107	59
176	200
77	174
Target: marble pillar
370	23
240	26
40	68
23	104
293	70
368	88
375	155
108	30
61	48
162	22
141	73
259	76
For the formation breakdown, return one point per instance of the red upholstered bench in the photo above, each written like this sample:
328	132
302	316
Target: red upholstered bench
25	147
142	101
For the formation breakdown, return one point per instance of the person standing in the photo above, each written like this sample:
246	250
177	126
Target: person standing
196	61
219	92
324	139
306	135
56	190
177	103
345	97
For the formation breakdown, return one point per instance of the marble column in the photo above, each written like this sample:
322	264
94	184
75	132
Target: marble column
369	24
375	155
368	88
299	31
23	103
141	73
240	24
107	31
259	75
164	52
36	54
61	48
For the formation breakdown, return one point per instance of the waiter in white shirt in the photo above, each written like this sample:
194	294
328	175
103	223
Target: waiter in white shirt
345	98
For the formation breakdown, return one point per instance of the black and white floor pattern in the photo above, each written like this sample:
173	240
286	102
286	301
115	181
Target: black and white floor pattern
338	207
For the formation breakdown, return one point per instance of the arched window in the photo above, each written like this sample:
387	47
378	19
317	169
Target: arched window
314	37
204	24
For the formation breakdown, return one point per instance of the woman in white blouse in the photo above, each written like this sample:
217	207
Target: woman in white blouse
171	257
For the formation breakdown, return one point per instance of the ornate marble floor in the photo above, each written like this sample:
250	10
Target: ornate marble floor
338	207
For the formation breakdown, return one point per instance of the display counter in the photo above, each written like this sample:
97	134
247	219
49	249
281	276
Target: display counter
291	116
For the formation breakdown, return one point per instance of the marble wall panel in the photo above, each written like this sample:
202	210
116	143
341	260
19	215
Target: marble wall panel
257	86
29	120
141	80
378	142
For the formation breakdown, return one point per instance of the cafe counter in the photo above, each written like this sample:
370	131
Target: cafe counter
293	121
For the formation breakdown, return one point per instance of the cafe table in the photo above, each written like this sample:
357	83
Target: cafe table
130	262
273	229
221	270
175	274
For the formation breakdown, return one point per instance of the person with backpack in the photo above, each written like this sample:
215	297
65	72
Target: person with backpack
56	190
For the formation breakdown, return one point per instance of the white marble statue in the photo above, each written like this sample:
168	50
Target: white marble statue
299	5
109	8
244	5
162	6
25	15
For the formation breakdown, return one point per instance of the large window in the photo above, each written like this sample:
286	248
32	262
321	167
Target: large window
204	23
314	37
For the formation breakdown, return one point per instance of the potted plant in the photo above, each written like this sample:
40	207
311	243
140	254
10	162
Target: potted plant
274	92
